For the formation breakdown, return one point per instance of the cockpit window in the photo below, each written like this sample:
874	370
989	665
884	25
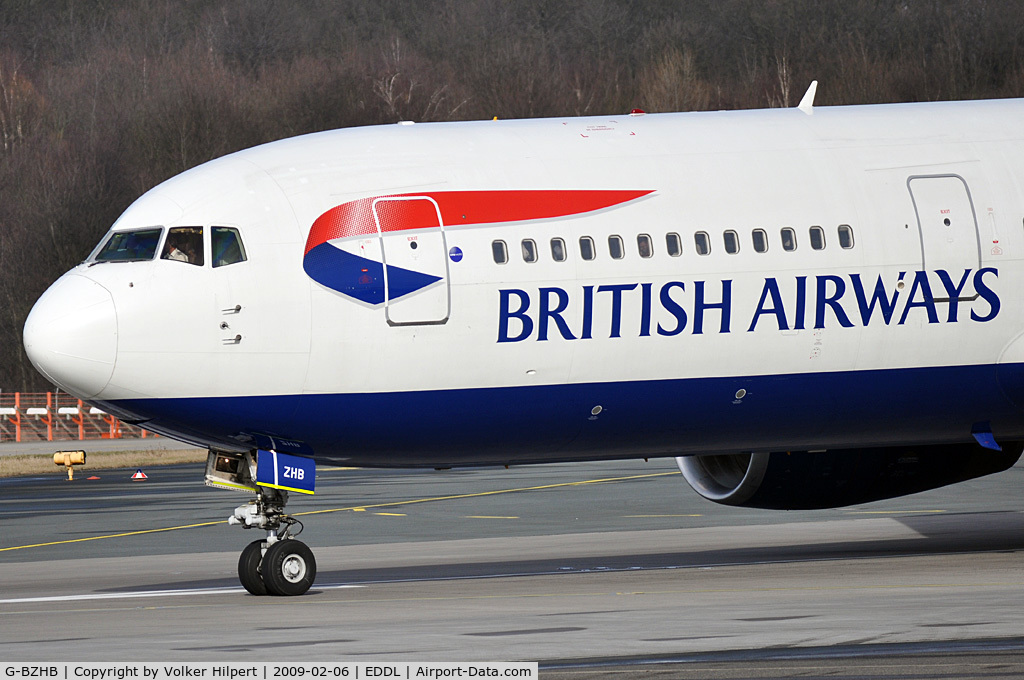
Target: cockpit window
184	244
227	246
130	246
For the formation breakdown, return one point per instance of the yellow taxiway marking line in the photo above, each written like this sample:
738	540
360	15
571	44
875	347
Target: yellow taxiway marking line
127	533
391	514
491	517
354	508
481	494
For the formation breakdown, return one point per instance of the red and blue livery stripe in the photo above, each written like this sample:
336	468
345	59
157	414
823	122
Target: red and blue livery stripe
363	278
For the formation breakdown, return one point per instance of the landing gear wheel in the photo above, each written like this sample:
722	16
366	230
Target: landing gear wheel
249	568
288	568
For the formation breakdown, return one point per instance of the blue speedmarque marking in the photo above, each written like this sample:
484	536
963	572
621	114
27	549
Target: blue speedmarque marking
359	277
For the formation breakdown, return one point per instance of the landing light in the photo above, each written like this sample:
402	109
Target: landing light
231	471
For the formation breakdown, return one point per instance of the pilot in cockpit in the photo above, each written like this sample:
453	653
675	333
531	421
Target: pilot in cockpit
172	252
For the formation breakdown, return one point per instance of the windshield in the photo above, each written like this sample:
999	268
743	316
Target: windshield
184	244
227	246
127	246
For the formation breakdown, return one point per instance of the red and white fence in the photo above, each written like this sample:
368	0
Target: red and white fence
55	416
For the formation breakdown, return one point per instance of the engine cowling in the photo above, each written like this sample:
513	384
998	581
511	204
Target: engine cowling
804	480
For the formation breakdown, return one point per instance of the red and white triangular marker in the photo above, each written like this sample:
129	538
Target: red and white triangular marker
139	474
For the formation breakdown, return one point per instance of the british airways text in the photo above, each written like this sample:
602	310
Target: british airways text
700	307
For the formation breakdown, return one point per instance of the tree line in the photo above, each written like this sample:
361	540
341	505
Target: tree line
100	101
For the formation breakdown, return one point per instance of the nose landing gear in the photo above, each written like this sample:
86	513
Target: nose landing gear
278	564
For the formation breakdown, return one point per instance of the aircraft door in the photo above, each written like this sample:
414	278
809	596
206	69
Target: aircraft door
415	252
947	223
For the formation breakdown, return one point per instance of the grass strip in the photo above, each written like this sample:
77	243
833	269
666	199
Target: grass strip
42	463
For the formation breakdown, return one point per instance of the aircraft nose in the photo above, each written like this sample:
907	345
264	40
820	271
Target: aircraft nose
71	335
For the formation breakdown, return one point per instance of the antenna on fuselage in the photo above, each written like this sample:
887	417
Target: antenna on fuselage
807	103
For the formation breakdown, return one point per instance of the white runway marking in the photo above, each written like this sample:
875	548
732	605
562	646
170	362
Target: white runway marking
147	593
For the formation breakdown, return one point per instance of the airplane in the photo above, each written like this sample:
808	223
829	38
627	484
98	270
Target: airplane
806	307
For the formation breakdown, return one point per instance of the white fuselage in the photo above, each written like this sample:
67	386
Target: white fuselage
883	325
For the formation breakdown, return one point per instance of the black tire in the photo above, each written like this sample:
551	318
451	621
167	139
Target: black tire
288	568
249	568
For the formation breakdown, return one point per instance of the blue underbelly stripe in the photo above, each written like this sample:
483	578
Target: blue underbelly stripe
640	418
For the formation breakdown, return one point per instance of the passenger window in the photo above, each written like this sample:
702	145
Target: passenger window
643	245
130	246
702	243
673	244
615	247
788	239
558	250
845	236
587	251
499	251
184	244
760	239
529	250
226	244
732	242
817	238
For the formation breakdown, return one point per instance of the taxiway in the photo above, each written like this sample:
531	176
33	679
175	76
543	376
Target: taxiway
581	567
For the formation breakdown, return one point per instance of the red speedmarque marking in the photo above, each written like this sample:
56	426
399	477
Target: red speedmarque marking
355	218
